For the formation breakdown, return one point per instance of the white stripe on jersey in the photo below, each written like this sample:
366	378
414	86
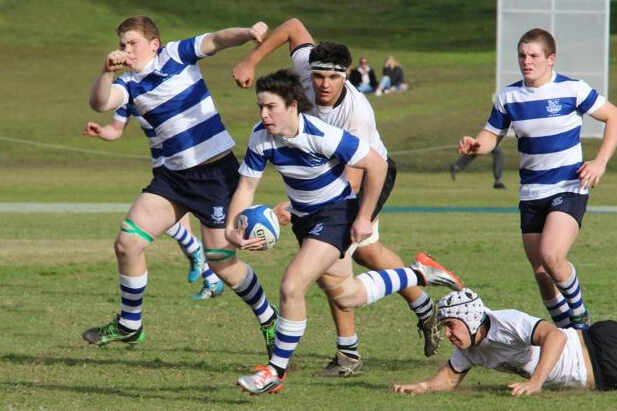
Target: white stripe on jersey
546	121
188	118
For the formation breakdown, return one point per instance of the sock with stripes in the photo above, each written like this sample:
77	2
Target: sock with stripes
348	346
379	284
187	241
209	275
252	293
559	310
132	293
422	306
571	290
288	335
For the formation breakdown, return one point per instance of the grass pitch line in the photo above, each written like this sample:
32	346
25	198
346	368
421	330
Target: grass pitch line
69	148
124	207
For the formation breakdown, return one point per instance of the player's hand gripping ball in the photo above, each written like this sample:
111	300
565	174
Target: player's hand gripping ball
261	222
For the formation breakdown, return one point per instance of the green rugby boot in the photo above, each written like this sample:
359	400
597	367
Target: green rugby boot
112	332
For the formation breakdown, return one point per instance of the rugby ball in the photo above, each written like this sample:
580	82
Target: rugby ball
261	222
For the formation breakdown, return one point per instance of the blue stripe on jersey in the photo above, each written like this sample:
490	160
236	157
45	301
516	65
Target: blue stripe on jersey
310	128
550	144
154	79
498	119
254	161
311	208
122	111
589	101
315	183
530	110
552	176
186	51
288	156
189	97
258	127
149	132
156	152
347	147
560	78
193	136
517	84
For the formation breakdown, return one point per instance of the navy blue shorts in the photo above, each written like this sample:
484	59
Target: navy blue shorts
331	225
534	212
601	341
204	190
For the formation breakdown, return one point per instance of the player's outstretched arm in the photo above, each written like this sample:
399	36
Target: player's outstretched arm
110	132
592	171
483	143
551	341
232	37
104	97
445	380
292	31
242	198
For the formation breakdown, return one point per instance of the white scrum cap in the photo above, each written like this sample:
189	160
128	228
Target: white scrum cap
464	305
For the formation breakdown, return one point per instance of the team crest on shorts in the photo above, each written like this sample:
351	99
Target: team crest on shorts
557	201
316	230
553	107
218	215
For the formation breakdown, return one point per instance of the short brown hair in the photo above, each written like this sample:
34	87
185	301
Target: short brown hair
142	24
539	36
286	84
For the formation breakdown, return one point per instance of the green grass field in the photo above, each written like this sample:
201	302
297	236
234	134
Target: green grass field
57	270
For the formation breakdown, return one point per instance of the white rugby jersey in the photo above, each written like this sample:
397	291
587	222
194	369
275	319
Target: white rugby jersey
353	114
173	98
312	163
547	122
507	348
123	114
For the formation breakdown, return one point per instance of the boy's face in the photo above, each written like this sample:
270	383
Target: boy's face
140	50
328	86
536	67
277	118
457	333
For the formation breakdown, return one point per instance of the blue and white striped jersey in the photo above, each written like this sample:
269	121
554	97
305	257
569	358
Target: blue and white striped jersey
547	122
173	98
123	114
312	163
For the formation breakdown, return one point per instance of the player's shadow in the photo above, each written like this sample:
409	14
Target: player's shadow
154	364
188	392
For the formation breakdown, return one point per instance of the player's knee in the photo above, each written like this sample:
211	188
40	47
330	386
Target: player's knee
343	292
127	245
553	261
291	289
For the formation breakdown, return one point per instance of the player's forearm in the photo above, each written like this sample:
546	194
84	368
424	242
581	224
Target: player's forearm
374	177
101	91
551	349
281	35
609	141
230	37
488	141
242	198
110	132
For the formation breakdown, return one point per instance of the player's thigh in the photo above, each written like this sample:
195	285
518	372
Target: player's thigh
154	214
314	258
558	236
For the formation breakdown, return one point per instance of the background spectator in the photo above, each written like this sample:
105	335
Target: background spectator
363	77
393	78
